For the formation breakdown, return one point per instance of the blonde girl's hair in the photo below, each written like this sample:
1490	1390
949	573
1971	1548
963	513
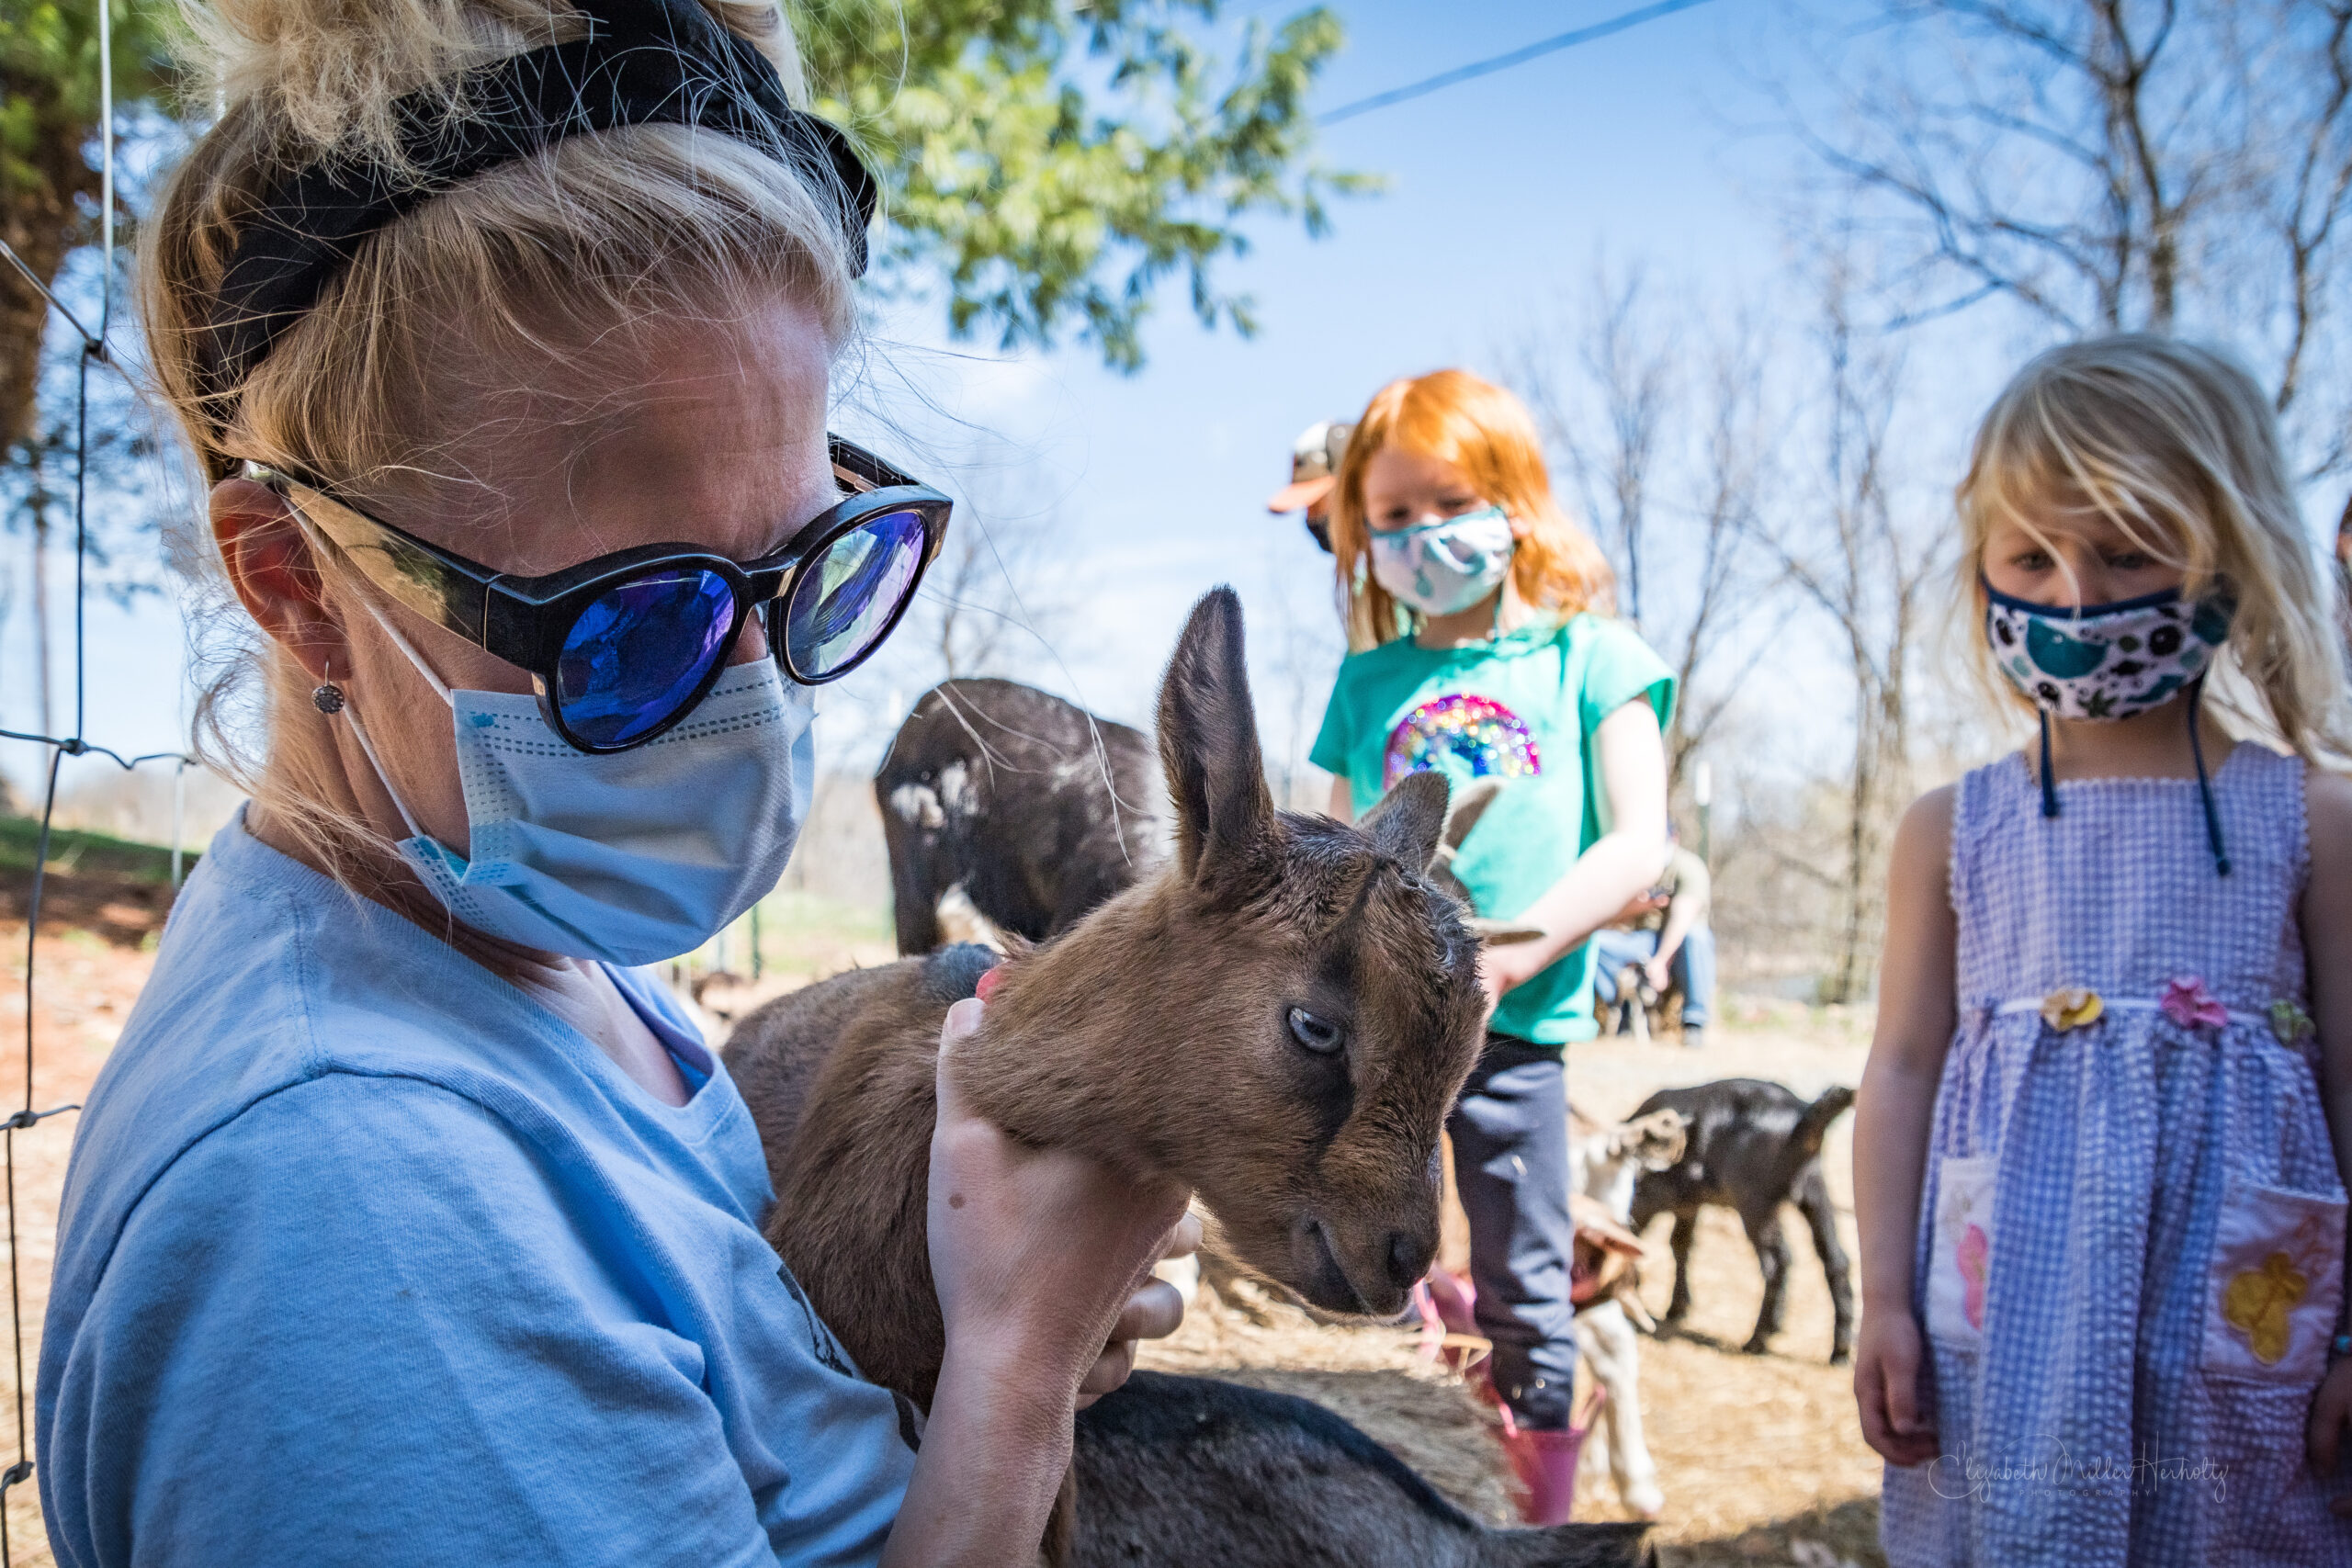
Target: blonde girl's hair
1481	429
583	243
2175	444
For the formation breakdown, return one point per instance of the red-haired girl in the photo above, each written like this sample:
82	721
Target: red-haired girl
1488	649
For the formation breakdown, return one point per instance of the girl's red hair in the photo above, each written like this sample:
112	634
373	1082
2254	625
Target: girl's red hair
1481	429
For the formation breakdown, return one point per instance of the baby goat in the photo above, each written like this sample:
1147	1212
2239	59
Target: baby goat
1278	1018
1753	1146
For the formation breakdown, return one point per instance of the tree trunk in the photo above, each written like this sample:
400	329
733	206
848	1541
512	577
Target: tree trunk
35	230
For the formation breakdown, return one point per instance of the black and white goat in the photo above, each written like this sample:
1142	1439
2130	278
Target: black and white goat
1753	1146
1015	810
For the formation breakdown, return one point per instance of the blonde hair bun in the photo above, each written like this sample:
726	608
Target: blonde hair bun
326	73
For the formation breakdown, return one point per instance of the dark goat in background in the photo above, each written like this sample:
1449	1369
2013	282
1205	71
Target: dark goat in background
1038	811
1753	1146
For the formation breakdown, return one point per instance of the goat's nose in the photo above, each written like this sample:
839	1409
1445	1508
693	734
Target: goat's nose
1408	1258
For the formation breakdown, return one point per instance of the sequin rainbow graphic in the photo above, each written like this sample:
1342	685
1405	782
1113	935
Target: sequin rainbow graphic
1485	737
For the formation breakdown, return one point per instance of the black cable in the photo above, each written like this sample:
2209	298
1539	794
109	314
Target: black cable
1505	61
89	344
81	529
74	748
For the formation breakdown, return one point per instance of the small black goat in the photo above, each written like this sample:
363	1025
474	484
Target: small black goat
1753	1146
1035	809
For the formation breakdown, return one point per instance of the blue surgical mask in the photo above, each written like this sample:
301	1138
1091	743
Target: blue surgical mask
1445	566
628	857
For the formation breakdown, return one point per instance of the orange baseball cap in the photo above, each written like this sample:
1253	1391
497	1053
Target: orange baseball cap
1315	460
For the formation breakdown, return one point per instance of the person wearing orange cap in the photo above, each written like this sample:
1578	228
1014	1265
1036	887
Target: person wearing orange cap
1314	469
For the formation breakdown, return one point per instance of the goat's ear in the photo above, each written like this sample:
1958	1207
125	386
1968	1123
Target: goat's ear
1469	804
1208	744
1405	823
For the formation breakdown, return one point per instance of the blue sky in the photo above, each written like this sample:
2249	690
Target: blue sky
1502	191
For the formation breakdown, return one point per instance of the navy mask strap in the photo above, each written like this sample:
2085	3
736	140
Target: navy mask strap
2195	697
2049	783
641	62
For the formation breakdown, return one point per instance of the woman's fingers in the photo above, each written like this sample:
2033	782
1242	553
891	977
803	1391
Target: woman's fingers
1155	1312
1108	1373
1184	1240
962	1022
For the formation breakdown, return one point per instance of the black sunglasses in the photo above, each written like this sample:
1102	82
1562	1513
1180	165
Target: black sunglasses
621	647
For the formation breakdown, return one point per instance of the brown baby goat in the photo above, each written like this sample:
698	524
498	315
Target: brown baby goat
1278	1018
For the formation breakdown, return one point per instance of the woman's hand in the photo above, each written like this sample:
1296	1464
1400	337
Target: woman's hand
1042	1257
2331	1410
1886	1387
1154	1312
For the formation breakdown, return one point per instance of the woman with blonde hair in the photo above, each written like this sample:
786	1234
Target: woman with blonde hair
1487	651
2103	1139
410	1221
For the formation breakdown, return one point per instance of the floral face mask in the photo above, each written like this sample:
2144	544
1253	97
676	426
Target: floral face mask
2105	660
2112	661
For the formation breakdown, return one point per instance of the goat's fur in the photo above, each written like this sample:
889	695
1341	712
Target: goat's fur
1753	1146
1604	1160
1159	1462
1156	1036
1005	808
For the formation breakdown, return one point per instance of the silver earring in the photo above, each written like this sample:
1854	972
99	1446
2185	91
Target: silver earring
327	697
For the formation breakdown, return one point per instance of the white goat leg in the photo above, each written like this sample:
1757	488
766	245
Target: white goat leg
1611	1349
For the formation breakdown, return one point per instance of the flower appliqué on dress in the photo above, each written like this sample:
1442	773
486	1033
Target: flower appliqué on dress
2071	1007
2291	1024
2190	1004
1972	1255
2257	1301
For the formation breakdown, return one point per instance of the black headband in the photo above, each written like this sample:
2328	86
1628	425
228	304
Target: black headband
641	62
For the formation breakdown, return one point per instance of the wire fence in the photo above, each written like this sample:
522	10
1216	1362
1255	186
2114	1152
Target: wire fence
94	349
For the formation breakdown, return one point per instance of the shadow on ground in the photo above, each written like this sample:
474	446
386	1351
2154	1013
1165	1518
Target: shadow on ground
115	889
1844	1535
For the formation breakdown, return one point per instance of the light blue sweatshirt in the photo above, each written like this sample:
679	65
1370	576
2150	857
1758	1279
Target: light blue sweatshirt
367	1258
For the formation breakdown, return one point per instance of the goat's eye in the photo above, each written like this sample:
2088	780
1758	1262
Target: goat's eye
1319	1035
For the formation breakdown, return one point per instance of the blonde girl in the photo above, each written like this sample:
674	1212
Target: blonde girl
2100	1155
409	1220
1491	653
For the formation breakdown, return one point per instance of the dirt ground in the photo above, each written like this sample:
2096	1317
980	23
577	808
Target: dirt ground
85	984
1759	1456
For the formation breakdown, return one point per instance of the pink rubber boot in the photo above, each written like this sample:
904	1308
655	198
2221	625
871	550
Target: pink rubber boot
1546	1464
1448	1324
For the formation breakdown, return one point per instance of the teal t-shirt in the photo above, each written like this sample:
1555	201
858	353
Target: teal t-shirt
1522	707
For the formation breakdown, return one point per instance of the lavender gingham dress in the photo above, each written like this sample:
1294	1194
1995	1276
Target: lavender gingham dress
2131	1229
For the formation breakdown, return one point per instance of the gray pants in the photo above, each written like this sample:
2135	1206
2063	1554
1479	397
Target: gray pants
1511	1160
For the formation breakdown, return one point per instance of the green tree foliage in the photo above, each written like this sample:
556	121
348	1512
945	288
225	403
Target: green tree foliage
1050	165
49	165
